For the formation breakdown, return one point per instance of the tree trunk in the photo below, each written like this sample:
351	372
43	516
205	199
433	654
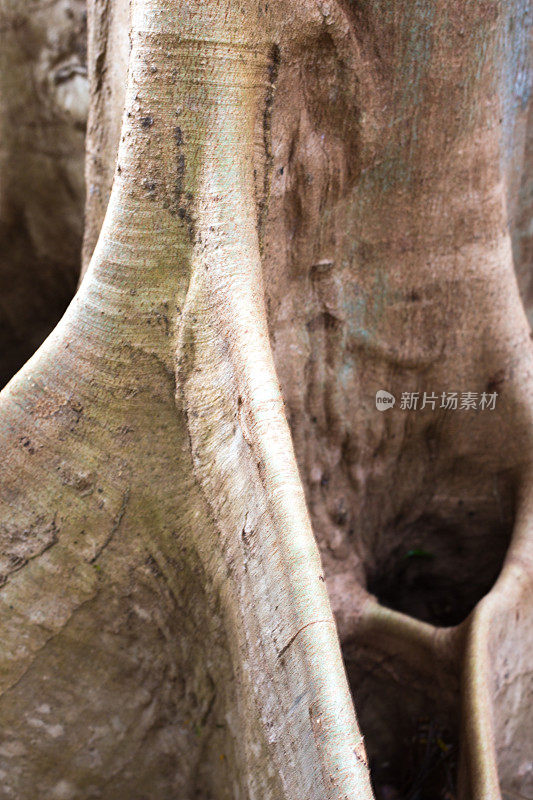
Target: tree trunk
168	626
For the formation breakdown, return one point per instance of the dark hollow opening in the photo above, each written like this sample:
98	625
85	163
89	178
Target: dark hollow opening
409	726
442	564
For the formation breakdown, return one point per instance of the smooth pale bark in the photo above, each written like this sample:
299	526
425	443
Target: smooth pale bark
521	210
182	641
109	43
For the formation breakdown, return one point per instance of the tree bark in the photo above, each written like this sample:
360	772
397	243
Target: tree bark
216	553
168	626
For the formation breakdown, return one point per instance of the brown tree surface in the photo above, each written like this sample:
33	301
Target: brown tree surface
303	203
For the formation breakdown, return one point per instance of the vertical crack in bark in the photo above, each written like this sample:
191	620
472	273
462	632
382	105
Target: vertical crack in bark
114	528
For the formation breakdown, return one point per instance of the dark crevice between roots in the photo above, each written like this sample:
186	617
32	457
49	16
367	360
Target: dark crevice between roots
410	730
34	295
441	565
441	568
